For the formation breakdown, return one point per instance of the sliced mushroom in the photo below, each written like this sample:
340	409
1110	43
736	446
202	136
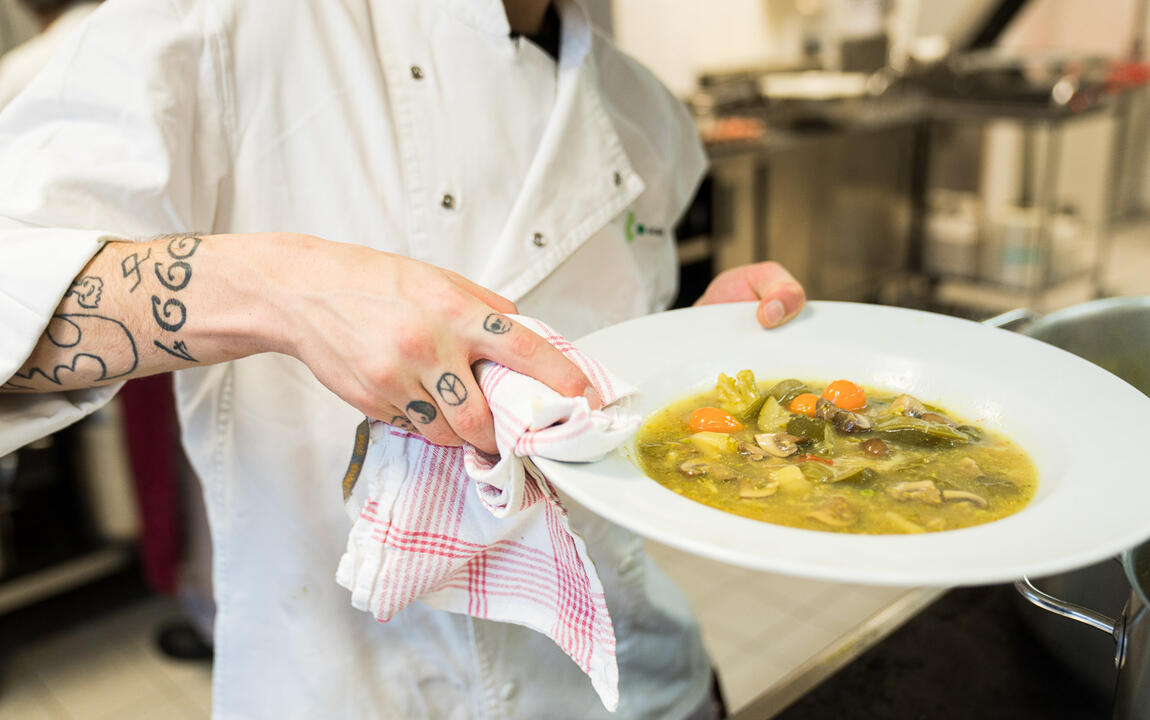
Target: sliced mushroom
826	409
695	467
970	467
759	489
875	448
752	452
836	512
779	444
852	422
923	490
698	467
938	418
843	420
906	405
964	496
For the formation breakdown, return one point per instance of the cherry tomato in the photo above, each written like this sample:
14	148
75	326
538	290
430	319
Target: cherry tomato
804	404
712	419
846	395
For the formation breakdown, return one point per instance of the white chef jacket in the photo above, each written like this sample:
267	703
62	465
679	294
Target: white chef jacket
354	120
20	64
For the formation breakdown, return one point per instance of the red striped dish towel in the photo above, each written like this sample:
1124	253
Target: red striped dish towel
486	536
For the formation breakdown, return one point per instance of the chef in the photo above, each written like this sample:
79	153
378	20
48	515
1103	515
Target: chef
314	210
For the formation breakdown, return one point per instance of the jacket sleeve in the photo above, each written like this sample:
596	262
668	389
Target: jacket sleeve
123	135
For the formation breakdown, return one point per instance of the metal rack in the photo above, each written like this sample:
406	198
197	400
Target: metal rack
1013	273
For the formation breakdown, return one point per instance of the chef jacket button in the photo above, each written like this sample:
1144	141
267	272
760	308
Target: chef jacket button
618	178
416	72
538	239
447	201
508	691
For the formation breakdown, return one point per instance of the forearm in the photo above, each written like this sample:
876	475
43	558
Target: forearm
391	336
143	308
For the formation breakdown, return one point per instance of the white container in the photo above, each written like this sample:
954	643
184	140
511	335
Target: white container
1071	245
952	235
1011	254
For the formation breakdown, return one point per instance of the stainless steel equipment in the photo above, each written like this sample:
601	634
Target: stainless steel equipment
1115	334
1130	630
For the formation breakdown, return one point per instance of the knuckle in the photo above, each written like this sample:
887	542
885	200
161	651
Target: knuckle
468	423
455	303
379	376
523	345
446	298
416	345
440	435
574	386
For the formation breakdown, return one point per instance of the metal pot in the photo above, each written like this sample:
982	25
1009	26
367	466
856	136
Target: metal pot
1114	334
1130	630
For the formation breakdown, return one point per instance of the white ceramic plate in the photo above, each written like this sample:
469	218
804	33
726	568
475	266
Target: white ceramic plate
1087	431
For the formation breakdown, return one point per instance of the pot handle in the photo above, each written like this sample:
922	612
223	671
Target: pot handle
1105	623
1013	319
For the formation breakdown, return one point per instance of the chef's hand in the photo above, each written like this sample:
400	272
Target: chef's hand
780	296
396	338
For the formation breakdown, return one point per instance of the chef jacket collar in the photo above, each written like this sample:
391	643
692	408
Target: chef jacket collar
489	16
580	177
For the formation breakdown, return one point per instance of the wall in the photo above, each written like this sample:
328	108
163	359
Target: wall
1103	27
16	24
681	38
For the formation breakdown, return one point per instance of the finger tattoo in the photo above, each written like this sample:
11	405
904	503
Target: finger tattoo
421	411
403	423
451	389
496	323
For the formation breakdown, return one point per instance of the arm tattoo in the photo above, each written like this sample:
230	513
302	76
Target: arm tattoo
421	411
170	313
182	246
496	323
81	349
87	291
173	316
176	276
451	389
179	348
131	267
84	364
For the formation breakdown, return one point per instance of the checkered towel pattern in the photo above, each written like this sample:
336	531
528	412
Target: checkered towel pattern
488	536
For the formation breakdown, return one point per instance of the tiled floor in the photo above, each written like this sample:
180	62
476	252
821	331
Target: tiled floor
109	669
760	627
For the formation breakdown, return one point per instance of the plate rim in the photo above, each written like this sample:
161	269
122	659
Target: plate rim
567	477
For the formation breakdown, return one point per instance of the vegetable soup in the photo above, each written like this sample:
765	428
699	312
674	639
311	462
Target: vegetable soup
837	456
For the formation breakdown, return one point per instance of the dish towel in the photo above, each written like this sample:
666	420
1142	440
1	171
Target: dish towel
488	536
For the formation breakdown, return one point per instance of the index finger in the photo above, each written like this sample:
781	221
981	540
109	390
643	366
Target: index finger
508	343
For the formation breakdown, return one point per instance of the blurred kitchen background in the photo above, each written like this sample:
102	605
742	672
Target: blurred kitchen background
968	157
